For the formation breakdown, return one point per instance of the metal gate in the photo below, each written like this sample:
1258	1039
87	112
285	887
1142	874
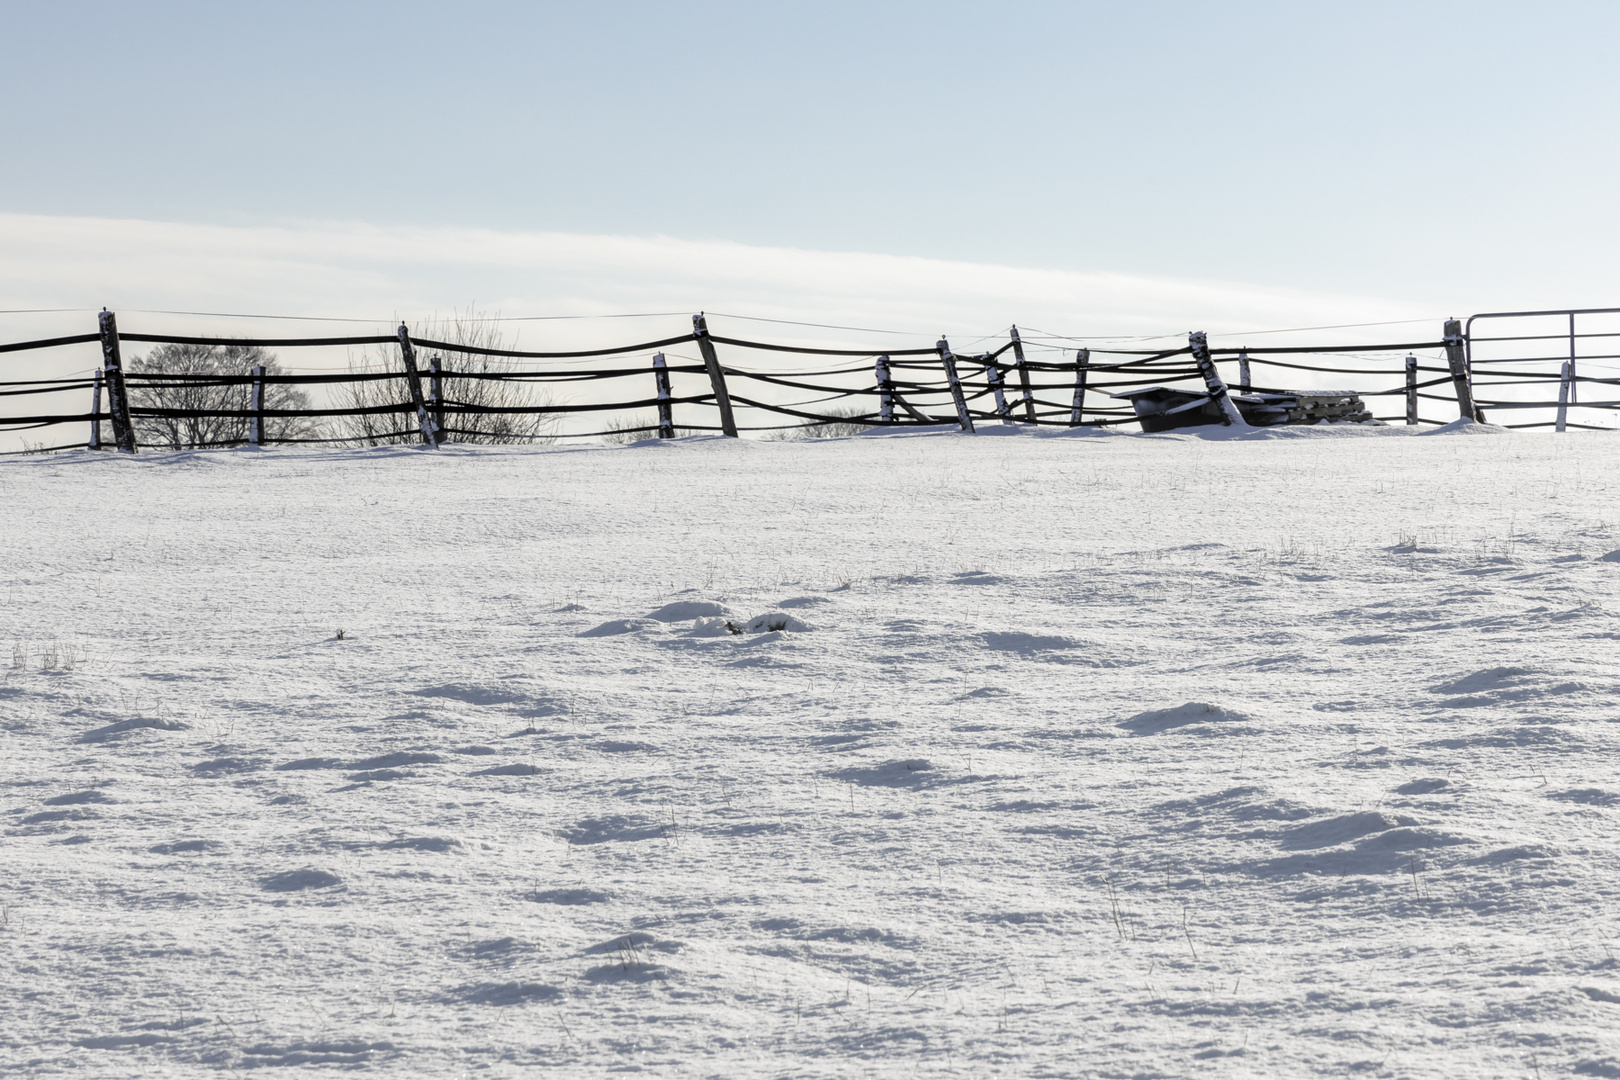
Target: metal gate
1528	367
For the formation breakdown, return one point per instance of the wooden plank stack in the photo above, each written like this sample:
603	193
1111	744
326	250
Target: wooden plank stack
1162	408
1302	407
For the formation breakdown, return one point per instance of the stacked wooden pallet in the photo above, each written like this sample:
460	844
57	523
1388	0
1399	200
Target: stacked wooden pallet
1302	407
1161	408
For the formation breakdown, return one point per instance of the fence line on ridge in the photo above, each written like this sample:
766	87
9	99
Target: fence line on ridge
726	392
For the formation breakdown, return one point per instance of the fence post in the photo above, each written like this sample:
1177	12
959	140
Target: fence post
992	375
1466	409
1565	382
1199	344
95	412
1243	372
413	380
666	408
885	385
949	361
256	407
436	393
1411	391
1574	384
1023	376
717	377
112	366
1077	411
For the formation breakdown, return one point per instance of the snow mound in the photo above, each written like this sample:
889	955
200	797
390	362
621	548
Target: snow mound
1015	641
1193	712
804	601
79	797
683	610
1342	830
508	770
1489	679
1465	426
775	621
904	772
570	897
299	880
111	731
614	627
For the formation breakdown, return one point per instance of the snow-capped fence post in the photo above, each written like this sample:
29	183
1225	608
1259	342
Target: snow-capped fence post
1243	371
1198	342
1566	378
1077	408
256	407
95	413
413	380
949	360
436	393
885	385
1457	361
717	376
112	367
1411	391
992	375
666	410
1023	376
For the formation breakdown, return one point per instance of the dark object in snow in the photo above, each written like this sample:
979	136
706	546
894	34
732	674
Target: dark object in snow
1160	408
732	627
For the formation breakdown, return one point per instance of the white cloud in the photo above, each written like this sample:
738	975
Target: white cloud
340	269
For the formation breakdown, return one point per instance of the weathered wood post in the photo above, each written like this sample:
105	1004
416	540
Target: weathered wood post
666	408
1077	408
1457	361
1411	391
95	413
1199	344
1243	371
992	375
1574	383
1023	376
949	360
436	393
1564	386
256	407
413	379
885	385
112	367
717	376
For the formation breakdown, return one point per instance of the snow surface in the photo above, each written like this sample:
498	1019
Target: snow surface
1284	753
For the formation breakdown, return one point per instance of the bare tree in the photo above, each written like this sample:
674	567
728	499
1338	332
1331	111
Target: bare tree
204	395
472	379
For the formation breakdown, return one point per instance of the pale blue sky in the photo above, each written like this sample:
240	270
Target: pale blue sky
1403	150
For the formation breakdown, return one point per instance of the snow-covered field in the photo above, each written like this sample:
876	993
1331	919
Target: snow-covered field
1093	754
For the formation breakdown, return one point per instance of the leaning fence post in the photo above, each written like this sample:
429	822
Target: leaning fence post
413	380
949	361
95	412
717	376
885	385
1243	371
112	366
666	409
1023	376
1459	373
1411	391
1077	410
1565	381
1199	345
992	375
256	407
436	393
